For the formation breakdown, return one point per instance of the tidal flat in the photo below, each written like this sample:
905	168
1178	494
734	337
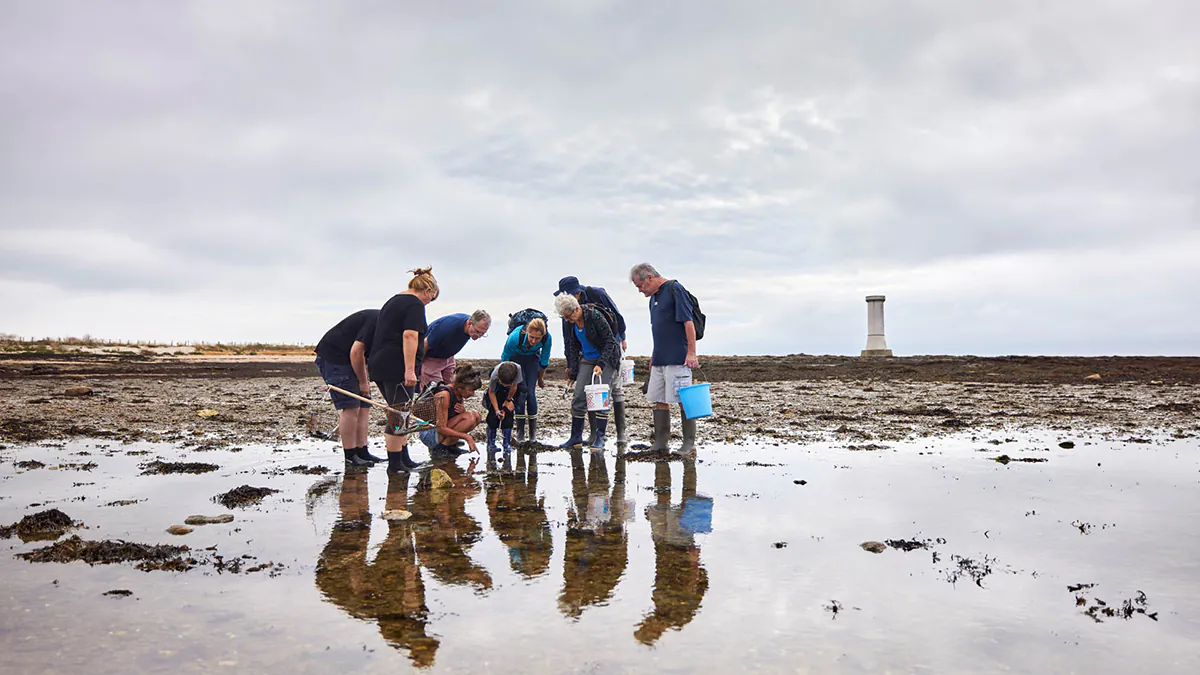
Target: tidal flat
751	557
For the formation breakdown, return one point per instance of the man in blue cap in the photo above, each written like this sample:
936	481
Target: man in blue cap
598	296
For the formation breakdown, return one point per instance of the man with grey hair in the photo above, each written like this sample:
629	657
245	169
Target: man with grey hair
674	331
446	337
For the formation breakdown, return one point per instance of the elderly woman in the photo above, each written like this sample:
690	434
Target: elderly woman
528	346
592	349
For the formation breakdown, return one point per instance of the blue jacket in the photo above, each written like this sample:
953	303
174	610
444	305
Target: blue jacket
516	345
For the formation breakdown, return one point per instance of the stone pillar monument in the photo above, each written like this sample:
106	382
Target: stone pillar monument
876	343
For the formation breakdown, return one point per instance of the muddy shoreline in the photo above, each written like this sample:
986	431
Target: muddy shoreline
1001	369
858	402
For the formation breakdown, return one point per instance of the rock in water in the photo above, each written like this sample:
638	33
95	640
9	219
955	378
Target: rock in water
179	529
78	391
440	479
1093	376
396	514
209	520
873	546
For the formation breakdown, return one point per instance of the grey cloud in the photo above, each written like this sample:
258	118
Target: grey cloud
503	142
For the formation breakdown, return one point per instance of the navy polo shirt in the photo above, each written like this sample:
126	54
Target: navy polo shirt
670	308
447	336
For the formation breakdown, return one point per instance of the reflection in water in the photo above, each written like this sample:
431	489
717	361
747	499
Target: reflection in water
596	550
518	515
679	579
438	537
443	530
389	591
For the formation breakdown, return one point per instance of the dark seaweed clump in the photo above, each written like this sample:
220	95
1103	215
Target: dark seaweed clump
1005	459
309	470
29	464
243	496
41	526
159	468
149	557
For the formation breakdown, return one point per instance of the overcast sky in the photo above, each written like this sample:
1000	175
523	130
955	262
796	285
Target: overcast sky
1017	177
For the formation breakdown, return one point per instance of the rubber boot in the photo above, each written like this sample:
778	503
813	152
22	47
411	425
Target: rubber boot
662	430
491	439
600	423
520	420
365	453
576	438
532	429
591	429
400	462
622	430
352	458
688	449
507	434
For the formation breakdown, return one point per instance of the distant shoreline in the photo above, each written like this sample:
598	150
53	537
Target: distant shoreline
1001	369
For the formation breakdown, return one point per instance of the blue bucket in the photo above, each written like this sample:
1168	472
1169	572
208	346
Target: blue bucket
696	400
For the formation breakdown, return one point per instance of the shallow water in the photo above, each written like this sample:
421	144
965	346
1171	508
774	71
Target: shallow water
564	563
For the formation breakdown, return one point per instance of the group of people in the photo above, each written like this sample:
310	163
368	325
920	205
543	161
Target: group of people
412	363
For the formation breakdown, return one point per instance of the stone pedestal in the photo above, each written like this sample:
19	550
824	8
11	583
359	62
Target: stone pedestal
876	342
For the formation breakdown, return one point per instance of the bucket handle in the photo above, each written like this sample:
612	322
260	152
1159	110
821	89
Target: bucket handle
702	377
597	377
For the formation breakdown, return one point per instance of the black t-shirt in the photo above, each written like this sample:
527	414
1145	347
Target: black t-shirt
402	312
335	346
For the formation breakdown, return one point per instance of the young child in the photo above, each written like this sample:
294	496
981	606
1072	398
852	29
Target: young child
499	401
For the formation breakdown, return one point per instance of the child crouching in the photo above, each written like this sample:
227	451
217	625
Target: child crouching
499	401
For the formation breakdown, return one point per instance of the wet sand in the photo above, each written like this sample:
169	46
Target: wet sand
803	399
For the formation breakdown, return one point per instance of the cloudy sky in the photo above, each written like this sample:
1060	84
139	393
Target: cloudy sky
1017	177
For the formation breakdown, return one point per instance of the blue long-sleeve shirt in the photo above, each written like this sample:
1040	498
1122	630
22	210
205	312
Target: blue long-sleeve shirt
517	344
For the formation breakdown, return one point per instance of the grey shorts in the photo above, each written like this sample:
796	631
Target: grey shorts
665	382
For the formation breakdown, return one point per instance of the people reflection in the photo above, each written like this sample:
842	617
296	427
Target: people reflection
389	591
443	530
680	580
596	551
518	514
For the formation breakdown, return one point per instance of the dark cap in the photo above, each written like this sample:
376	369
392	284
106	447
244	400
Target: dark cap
569	285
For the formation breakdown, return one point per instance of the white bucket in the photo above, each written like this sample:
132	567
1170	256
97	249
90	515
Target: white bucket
597	394
627	372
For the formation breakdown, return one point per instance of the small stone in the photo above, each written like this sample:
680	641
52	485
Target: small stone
78	391
780	544
873	546
396	514
1093	376
440	479
800	482
179	529
209	520
119	593
1066	445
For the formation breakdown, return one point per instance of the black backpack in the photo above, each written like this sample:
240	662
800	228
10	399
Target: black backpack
523	317
609	317
698	318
